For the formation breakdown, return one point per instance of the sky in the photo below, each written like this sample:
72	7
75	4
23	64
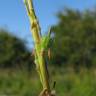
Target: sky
14	18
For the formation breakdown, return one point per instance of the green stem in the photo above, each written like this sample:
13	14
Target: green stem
35	29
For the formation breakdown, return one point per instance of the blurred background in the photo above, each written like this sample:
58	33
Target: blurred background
73	47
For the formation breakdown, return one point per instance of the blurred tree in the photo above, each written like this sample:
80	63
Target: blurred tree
13	52
75	39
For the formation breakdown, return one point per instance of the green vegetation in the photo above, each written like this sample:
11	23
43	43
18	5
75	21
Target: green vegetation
68	83
75	39
13	52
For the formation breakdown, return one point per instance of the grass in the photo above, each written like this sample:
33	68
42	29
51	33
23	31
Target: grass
68	83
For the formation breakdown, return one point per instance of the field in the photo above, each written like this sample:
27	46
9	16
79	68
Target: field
68	83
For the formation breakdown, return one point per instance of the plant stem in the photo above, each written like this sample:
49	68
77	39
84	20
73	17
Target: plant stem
36	32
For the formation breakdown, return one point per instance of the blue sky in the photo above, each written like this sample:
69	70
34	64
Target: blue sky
14	18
